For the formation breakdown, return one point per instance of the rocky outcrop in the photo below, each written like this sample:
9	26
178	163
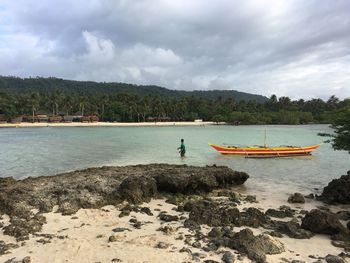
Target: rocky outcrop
337	191
97	187
256	247
323	222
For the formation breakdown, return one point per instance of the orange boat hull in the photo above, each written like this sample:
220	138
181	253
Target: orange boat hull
278	151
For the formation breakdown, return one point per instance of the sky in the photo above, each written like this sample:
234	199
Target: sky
294	48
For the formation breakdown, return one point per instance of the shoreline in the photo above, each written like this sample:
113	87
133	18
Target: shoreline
105	124
150	212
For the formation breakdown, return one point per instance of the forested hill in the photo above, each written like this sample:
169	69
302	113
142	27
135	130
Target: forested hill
42	85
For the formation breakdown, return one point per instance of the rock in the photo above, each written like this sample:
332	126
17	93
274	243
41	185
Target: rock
98	187
348	225
337	191
196	244
116	260
168	218
343	215
211	213
322	222
215	232
21	228
296	198
168	230
162	245
112	238
250	199
228	257
210	261
199	255
147	211
186	250
334	259
256	247
4	248
253	217
138	189
27	259
120	229
284	211
291	229
310	196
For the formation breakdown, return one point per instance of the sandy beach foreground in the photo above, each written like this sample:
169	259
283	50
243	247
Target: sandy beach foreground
104	124
158	213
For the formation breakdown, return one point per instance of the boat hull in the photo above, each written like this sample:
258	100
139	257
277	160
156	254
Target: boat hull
271	151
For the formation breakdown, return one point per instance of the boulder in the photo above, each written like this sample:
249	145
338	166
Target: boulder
296	198
337	191
256	247
322	222
228	257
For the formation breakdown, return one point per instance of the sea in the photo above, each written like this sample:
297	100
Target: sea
31	152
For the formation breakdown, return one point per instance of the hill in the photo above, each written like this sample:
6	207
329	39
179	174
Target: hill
19	85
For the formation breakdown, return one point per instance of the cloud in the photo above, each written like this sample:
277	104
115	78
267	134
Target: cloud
289	48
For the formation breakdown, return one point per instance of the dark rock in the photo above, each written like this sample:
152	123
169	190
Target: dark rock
348	225
291	229
4	248
343	215
192	225
337	191
138	189
322	222
296	198
147	211
310	196
199	255
228	257
120	229
284	211
116	260
253	217
250	199
112	238
256	247
137	225
162	245
21	228
186	250
196	244
26	259
215	232
334	259
168	218
168	230
212	214
98	187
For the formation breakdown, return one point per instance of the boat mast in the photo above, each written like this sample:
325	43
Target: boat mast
265	138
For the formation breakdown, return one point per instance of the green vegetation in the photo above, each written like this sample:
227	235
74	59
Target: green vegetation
125	102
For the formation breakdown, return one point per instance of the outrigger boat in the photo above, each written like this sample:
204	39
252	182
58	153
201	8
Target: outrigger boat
266	152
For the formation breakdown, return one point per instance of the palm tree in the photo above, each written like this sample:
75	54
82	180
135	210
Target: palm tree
34	101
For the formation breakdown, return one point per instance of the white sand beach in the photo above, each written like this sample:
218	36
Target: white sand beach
86	237
104	124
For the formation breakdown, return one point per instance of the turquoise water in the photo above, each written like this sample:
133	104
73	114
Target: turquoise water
50	150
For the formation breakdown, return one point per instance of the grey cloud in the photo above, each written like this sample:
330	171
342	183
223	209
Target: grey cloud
294	48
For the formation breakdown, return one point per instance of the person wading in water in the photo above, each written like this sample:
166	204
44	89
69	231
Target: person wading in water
182	149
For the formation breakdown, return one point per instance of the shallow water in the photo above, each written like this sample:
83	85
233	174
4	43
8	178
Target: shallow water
50	150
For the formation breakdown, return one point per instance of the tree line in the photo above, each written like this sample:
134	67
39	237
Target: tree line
130	107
